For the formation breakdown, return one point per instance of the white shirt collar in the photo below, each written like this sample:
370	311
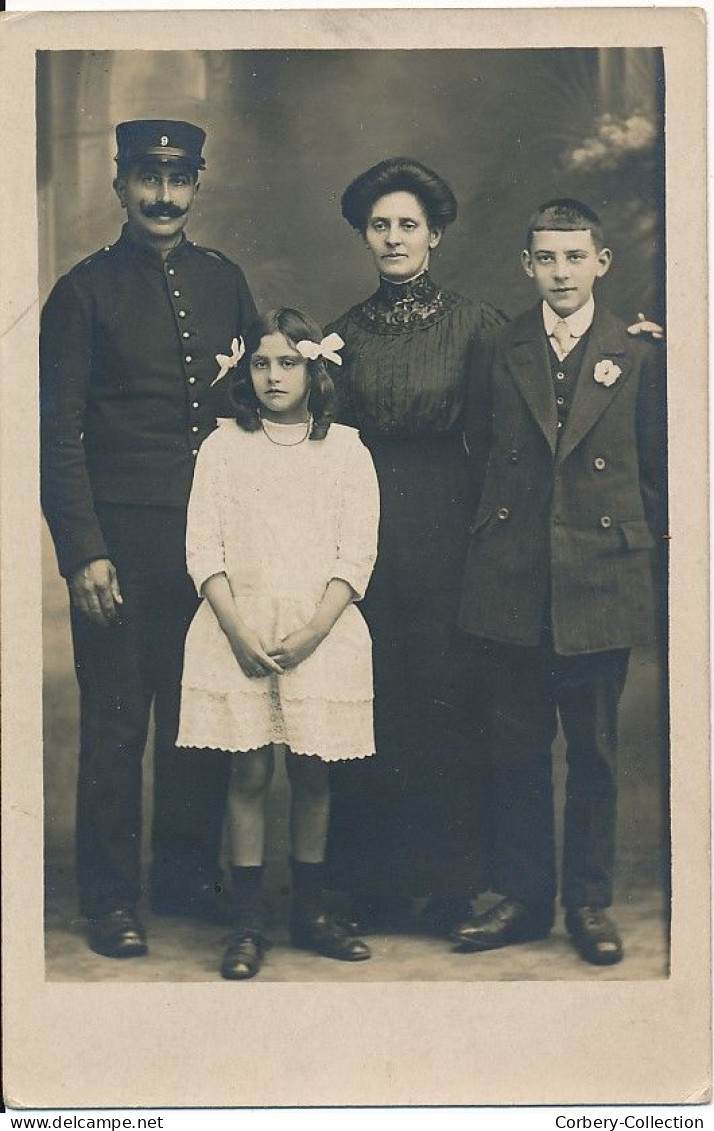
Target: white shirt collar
578	323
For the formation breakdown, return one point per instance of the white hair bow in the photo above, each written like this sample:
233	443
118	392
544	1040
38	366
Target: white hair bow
229	361
326	348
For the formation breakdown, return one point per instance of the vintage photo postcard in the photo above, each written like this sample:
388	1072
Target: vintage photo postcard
355	558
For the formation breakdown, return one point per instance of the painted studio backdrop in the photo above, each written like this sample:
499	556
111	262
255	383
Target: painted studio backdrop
286	132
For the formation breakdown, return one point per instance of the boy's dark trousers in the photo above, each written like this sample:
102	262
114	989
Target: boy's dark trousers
530	687
122	670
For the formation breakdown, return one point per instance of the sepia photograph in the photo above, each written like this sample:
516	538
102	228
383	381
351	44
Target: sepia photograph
354	536
393	765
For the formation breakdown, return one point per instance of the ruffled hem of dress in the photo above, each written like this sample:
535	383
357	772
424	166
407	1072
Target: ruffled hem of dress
341	757
331	731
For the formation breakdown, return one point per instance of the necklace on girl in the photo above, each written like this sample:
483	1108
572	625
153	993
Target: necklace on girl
281	443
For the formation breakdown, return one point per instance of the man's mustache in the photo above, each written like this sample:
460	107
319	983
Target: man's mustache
171	210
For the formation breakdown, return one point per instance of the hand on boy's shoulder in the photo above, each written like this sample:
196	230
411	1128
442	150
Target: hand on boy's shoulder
645	328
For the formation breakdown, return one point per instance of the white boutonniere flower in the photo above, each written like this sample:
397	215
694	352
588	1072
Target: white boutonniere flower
606	373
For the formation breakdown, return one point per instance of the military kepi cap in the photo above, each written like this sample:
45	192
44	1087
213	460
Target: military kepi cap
157	140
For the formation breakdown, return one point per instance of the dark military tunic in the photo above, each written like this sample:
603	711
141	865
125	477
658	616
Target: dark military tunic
127	356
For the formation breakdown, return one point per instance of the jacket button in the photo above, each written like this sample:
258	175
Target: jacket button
188	359
171	271
560	376
514	456
194	428
182	313
605	521
503	513
599	463
194	452
560	423
192	380
194	404
185	334
560	400
177	294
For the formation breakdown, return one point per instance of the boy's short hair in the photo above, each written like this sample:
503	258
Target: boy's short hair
564	214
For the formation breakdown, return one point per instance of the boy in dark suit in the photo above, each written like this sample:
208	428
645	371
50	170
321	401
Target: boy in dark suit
569	421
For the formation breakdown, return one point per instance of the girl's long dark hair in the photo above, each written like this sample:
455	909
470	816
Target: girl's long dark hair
296	326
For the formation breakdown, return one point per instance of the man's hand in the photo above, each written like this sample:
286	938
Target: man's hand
296	647
95	591
644	326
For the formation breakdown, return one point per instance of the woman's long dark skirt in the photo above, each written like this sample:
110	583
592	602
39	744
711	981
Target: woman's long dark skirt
412	820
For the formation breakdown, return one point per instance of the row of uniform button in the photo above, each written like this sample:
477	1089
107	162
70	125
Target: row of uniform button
188	358
504	513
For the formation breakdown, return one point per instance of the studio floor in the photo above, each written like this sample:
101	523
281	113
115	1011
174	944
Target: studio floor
182	950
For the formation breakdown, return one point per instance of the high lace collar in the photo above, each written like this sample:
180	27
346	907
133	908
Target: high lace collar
396	308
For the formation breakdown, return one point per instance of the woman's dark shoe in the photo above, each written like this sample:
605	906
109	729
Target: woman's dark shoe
594	935
117	934
244	956
506	923
442	916
329	937
373	914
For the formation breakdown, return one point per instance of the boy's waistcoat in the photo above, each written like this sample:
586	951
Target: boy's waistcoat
568	519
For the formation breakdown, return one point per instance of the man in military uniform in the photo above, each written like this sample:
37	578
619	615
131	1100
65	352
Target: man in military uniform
128	348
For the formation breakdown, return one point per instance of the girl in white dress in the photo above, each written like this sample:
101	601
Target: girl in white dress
281	542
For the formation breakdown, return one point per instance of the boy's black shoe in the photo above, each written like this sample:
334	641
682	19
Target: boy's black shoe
325	935
506	923
209	902
244	955
594	935
117	934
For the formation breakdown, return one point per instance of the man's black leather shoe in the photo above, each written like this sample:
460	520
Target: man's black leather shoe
329	937
117	934
244	956
594	935
210	902
506	923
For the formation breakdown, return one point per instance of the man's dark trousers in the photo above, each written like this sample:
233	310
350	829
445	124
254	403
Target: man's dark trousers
530	687
122	670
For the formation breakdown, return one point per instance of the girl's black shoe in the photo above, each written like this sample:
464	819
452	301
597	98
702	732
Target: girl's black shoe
244	956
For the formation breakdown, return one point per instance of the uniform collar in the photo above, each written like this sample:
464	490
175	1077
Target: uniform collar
147	254
578	323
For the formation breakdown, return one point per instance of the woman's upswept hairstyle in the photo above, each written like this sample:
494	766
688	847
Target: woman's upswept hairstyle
399	174
296	326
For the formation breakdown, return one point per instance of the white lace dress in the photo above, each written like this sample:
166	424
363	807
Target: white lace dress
281	520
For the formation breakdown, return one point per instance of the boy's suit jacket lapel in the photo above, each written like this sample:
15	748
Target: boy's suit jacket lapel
607	341
528	362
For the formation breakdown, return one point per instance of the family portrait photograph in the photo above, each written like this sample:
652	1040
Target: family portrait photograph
354	543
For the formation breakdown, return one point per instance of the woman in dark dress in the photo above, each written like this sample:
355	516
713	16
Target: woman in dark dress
410	823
